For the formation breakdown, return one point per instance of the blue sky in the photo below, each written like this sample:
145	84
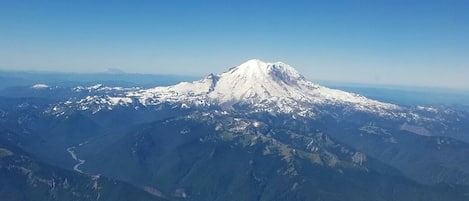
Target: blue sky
421	43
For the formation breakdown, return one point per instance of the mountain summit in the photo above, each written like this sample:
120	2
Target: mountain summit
257	69
257	85
255	81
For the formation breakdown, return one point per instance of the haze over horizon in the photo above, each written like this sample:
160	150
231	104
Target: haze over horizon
415	43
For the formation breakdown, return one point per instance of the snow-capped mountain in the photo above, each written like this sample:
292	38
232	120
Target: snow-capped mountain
261	86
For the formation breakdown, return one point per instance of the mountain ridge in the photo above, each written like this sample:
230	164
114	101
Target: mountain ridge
181	141
261	86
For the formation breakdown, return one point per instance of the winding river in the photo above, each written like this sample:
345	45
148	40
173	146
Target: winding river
76	167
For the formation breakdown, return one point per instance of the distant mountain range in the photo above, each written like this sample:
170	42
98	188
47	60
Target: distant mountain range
259	131
271	87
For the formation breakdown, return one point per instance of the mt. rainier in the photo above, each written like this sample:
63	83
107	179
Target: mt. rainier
257	85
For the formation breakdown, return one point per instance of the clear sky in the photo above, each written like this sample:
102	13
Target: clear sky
404	42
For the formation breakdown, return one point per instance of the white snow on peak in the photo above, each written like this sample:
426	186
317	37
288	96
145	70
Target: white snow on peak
40	86
101	87
257	69
255	80
266	86
271	87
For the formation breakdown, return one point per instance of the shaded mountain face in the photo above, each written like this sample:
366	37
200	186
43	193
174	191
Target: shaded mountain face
22	177
259	131
206	156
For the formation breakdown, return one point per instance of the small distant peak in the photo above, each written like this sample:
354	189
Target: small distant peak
114	71
96	86
40	86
